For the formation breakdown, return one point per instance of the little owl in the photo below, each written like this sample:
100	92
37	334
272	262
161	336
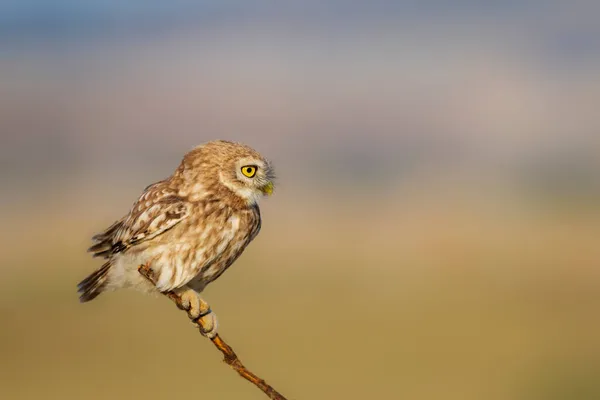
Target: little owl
188	229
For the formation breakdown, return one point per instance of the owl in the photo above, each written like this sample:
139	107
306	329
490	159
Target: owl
188	229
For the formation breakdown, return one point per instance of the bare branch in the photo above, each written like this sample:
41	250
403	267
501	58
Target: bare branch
229	356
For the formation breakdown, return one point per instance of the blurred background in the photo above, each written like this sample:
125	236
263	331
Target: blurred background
435	230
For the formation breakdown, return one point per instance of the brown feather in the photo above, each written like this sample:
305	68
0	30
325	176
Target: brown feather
92	286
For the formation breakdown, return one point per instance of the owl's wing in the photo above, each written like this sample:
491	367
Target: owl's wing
155	212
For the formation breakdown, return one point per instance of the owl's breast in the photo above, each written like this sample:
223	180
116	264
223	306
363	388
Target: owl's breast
198	252
241	229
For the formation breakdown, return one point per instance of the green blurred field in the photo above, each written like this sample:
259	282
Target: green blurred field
440	299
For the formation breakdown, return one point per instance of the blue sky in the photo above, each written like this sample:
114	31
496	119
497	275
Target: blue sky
33	17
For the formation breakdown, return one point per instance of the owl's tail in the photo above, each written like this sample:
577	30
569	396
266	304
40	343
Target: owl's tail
94	284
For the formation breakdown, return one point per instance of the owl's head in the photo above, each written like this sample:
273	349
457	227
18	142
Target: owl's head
234	166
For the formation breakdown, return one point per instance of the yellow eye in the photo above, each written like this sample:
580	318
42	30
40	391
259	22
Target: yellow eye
249	171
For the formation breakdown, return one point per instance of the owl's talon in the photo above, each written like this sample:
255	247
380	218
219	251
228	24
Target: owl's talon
205	313
183	303
190	301
207	324
198	311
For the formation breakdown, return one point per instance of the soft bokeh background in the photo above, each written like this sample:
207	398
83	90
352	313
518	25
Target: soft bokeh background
435	233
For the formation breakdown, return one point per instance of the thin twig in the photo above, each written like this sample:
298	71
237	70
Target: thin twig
229	355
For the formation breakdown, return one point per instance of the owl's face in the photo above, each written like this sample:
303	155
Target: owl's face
250	178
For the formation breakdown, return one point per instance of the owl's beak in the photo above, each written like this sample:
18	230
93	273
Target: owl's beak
267	189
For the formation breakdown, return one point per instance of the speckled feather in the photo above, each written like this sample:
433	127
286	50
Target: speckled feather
189	228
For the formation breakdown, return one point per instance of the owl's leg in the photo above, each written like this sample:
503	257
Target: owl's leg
198	310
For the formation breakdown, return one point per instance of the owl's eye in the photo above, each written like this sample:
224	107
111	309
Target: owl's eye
249	171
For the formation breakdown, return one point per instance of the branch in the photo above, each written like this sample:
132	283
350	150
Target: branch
229	355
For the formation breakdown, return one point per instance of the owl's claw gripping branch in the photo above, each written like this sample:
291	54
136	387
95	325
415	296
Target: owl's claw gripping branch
198	310
207	323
